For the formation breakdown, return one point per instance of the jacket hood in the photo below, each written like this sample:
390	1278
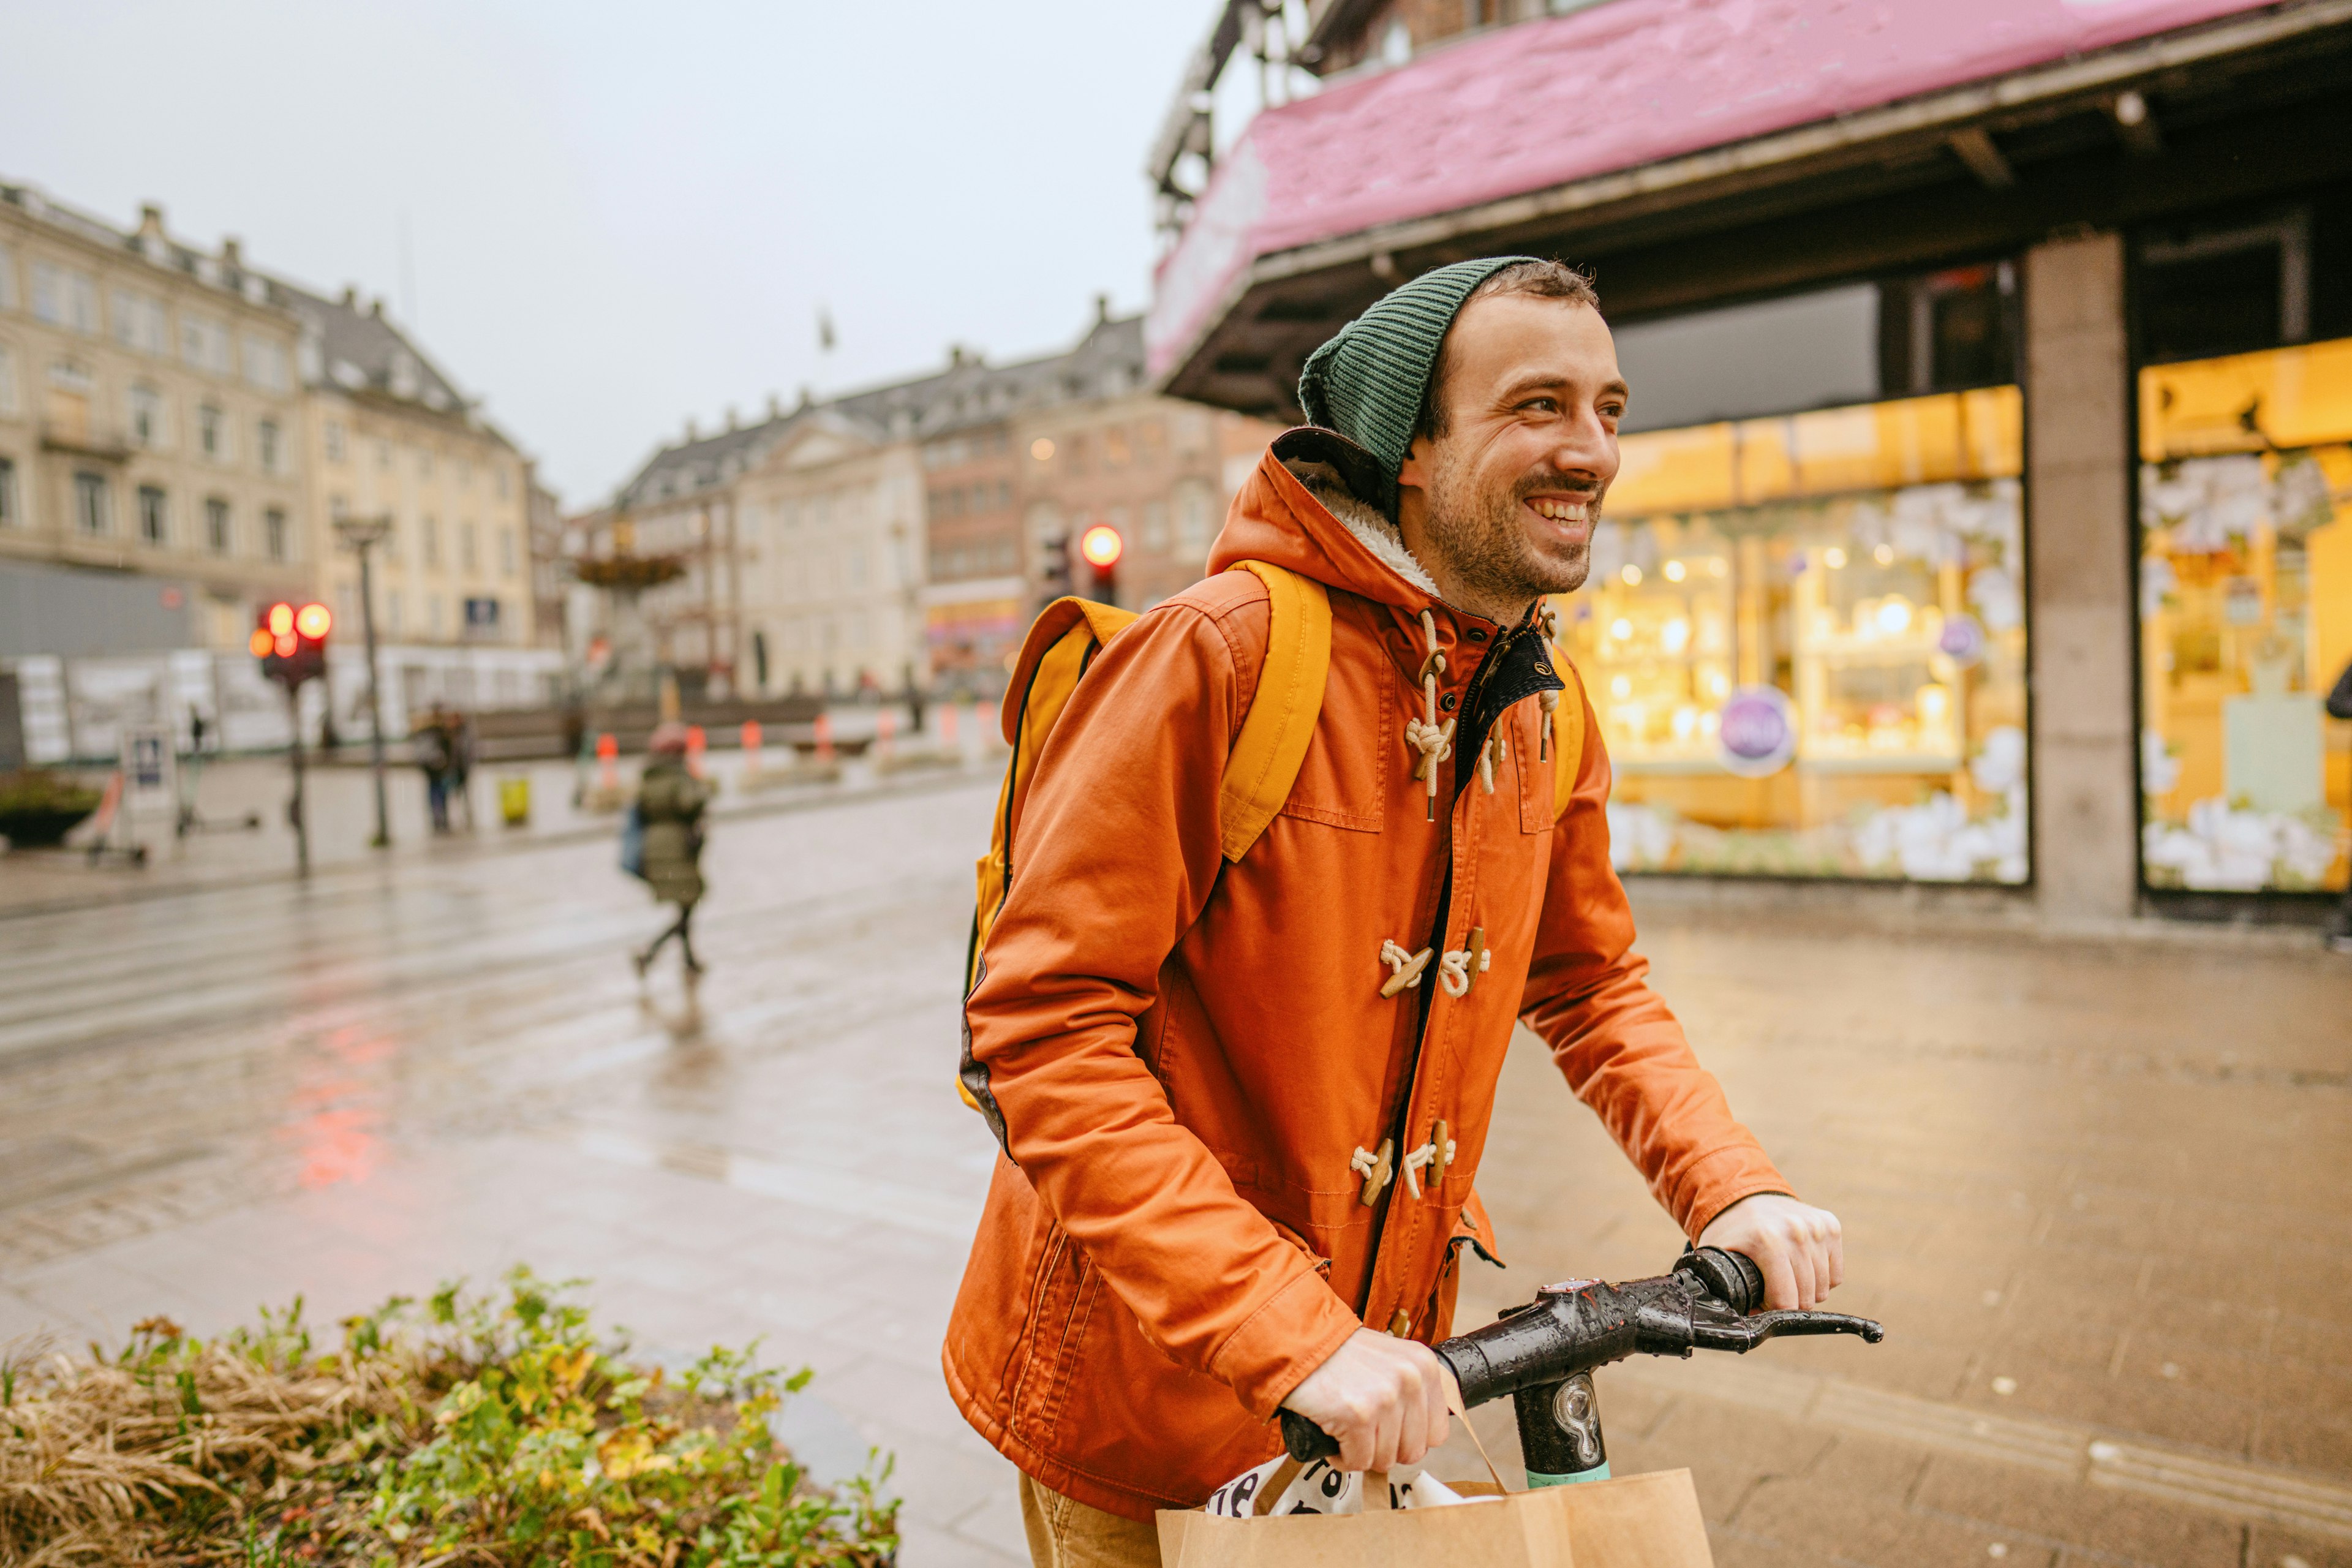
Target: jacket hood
1302	508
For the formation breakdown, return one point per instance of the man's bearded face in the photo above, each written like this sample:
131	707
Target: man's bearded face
1512	487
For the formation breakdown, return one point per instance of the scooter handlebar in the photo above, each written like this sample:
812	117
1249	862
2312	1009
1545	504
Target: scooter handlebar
1707	1302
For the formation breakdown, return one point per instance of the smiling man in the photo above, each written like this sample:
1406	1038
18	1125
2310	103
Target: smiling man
1243	1104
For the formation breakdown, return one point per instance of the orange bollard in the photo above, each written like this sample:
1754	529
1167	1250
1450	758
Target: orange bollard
886	726
825	740
948	726
608	761
752	744
695	743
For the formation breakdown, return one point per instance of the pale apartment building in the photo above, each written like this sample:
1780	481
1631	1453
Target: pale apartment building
152	482
831	534
919	526
388	435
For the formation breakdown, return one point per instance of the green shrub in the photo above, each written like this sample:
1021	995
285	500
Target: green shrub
492	1430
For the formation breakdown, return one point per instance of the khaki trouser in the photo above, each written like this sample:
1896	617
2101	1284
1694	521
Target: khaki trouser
1065	1533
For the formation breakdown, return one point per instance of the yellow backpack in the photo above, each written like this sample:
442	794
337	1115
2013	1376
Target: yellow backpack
1263	764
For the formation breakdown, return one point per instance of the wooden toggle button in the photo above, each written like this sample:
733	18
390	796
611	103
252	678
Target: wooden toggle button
1401	1324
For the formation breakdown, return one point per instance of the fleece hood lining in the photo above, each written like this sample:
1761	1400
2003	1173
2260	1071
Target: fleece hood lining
1372	531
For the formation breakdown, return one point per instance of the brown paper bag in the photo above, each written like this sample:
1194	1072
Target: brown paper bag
1634	1521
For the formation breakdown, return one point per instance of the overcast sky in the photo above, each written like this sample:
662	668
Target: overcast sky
618	216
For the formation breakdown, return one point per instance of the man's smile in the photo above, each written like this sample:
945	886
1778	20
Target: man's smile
1568	518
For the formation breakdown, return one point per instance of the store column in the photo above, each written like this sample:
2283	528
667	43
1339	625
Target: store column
2077	497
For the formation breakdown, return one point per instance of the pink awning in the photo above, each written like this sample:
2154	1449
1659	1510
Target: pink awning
1622	85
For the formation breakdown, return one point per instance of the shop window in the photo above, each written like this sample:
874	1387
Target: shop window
2245	619
1805	640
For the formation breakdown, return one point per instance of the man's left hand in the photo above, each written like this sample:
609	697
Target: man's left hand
1800	1248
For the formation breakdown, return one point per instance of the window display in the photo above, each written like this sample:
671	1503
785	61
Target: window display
1805	641
2245	619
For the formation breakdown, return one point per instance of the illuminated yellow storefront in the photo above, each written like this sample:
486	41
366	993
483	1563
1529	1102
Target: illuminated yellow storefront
1805	638
2245	617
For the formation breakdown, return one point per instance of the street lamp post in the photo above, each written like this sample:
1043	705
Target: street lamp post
364	534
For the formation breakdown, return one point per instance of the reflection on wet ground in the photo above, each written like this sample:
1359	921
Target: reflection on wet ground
2094	1187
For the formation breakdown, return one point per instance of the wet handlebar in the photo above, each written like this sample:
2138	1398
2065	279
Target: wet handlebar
1708	1302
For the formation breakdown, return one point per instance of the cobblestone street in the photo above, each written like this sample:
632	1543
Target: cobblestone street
2093	1185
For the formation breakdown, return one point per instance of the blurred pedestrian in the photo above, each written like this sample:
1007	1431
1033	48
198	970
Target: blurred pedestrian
461	763
2339	706
669	812
434	745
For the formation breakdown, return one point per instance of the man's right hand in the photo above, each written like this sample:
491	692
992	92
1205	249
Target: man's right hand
1383	1398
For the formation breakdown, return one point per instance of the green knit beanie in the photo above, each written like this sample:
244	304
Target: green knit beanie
1367	381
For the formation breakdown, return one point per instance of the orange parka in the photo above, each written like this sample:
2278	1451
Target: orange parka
1192	1061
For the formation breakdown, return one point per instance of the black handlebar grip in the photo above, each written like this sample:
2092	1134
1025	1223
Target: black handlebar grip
1305	1439
1732	1277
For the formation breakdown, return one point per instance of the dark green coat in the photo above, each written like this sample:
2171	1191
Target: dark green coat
670	800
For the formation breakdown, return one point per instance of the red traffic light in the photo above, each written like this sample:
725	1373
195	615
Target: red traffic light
292	642
1101	546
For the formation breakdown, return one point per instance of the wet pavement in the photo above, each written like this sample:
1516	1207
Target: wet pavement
2093	1186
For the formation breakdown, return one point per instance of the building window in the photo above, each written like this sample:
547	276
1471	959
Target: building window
212	432
216	526
139	322
7	486
273	533
503	480
334	440
265	363
431	534
465	548
423	463
507	552
8	279
64	298
465	474
146	416
1192	519
384	455
265	445
90	503
154	525
204	344
7	379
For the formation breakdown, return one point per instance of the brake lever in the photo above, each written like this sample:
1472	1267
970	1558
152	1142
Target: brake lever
1740	1335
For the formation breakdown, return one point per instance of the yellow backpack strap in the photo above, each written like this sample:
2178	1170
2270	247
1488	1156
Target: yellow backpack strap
1566	734
1266	754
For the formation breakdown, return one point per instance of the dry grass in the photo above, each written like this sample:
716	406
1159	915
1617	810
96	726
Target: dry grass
96	1452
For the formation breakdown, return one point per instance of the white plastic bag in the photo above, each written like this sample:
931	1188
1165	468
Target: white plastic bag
1317	1487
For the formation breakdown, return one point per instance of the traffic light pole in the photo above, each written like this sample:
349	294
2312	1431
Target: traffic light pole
382	840
294	807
